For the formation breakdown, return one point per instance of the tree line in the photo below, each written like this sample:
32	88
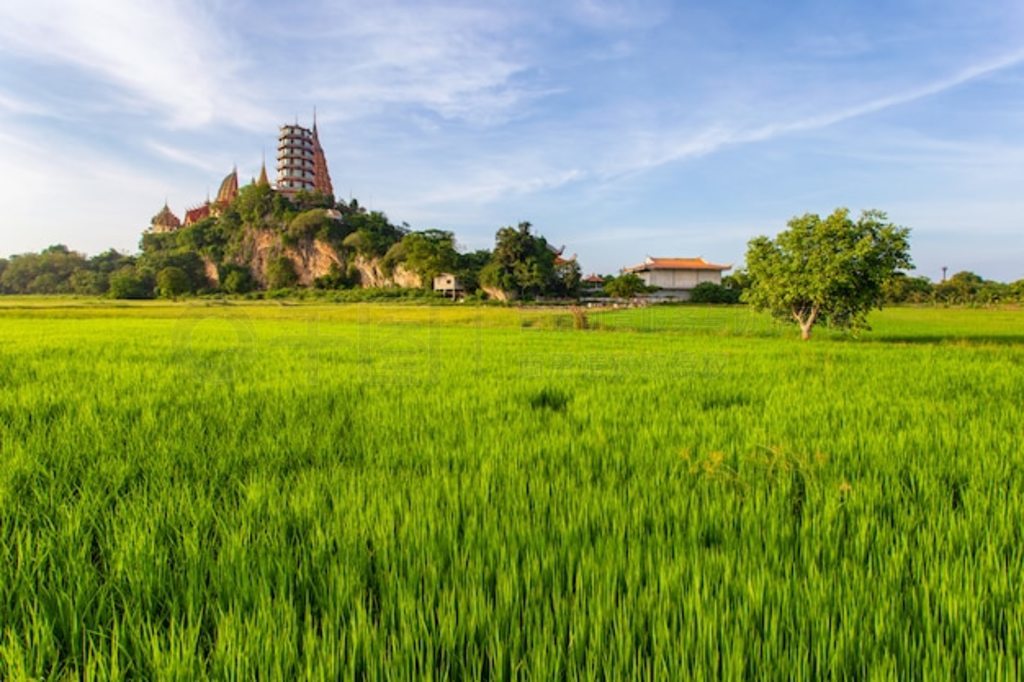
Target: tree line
178	262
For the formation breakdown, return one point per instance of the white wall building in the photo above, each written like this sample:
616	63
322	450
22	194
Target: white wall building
677	277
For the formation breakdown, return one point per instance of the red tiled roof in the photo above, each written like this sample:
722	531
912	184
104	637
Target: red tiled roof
677	264
194	215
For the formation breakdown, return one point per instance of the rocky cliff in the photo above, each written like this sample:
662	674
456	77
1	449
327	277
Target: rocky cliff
313	258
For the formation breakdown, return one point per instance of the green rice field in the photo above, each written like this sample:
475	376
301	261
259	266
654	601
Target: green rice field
271	491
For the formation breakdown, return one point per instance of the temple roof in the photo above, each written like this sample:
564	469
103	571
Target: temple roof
228	188
263	181
676	264
166	218
194	215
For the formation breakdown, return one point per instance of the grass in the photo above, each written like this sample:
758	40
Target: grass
269	491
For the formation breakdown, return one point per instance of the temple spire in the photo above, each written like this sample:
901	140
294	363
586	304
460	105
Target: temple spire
263	180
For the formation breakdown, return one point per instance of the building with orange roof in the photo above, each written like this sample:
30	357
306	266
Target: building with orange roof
675	278
194	215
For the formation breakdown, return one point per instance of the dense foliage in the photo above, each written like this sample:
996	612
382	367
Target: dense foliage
409	492
830	270
625	286
525	265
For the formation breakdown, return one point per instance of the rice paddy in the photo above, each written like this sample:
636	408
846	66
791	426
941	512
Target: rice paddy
265	491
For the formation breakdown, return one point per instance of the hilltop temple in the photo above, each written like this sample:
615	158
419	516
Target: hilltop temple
301	166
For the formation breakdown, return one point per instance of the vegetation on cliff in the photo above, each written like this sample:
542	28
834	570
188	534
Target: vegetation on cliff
265	241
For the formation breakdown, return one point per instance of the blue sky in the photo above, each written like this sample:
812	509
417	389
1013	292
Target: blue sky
619	129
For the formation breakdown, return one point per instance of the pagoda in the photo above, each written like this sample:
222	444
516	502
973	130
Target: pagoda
301	162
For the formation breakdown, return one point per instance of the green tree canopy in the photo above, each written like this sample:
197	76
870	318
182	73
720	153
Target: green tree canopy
625	286
828	270
46	272
524	263
427	254
172	282
371	234
130	283
281	273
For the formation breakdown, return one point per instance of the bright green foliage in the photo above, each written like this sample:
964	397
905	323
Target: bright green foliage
524	264
709	292
968	287
625	286
411	492
237	280
281	273
826	270
427	254
47	272
172	282
371	234
130	283
257	204
902	288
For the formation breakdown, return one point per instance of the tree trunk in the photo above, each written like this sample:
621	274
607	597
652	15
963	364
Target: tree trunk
805	318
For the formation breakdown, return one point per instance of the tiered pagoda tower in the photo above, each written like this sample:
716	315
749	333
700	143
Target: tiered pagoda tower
301	163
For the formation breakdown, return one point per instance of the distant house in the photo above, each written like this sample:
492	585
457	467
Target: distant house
675	278
449	285
592	285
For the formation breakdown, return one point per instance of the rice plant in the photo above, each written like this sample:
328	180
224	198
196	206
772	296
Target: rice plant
261	491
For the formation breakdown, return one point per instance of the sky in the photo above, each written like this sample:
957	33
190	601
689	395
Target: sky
619	129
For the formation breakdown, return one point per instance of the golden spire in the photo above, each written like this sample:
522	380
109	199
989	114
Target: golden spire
263	181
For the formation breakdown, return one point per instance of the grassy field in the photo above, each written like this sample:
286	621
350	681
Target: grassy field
270	491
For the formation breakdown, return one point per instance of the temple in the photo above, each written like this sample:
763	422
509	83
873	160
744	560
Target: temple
228	191
301	166
165	220
301	163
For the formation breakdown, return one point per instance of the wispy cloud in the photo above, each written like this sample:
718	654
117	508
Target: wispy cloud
454	60
652	150
182	156
168	56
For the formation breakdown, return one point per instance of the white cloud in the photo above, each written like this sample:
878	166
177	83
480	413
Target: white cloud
649	149
182	156
165	55
457	61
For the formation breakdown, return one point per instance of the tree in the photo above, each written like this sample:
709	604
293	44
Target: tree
901	288
88	283
371	235
255	204
128	283
567	278
1017	290
625	286
521	263
963	287
709	292
469	265
828	270
46	272
172	282
281	273
427	254
237	280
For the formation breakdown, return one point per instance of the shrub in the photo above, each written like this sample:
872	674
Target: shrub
127	283
238	281
709	292
281	273
172	282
